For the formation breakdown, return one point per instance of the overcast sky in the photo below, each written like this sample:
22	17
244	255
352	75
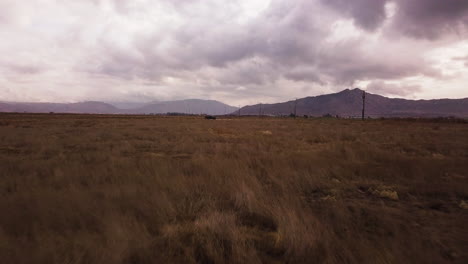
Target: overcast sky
239	51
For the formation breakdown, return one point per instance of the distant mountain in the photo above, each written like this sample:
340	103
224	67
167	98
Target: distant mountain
190	106
127	105
83	107
349	103
345	103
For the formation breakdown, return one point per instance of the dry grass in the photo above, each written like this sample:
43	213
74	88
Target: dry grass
118	189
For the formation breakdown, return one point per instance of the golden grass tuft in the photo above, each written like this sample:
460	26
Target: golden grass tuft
463	204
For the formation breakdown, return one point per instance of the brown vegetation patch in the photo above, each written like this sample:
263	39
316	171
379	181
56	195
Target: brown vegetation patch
147	189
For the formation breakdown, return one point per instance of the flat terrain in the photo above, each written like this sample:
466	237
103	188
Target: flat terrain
143	189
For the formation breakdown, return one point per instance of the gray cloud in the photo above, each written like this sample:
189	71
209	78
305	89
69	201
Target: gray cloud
428	19
288	39
308	75
383	88
462	58
285	37
213	48
23	68
432	18
368	14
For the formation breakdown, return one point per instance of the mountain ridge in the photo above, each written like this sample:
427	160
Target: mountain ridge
348	103
188	106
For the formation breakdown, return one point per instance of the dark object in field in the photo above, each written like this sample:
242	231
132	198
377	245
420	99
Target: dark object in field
210	117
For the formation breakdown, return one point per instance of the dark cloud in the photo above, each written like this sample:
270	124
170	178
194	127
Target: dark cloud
428	19
431	18
368	14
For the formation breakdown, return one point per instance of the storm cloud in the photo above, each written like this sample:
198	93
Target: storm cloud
239	52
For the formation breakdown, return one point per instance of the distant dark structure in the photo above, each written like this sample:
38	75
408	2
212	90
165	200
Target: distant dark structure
363	103
210	117
293	111
295	108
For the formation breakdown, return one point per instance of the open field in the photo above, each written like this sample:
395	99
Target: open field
142	189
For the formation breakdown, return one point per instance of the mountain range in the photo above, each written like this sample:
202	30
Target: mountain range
347	103
190	106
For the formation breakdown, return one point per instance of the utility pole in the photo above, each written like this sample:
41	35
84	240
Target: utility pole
260	110
295	108
363	104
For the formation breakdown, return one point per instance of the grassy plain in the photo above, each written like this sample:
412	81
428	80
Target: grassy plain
143	189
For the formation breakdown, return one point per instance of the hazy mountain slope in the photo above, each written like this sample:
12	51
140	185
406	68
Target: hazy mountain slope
83	107
349	103
191	106
127	105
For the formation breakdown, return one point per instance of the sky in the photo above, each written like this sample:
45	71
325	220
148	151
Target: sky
239	52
